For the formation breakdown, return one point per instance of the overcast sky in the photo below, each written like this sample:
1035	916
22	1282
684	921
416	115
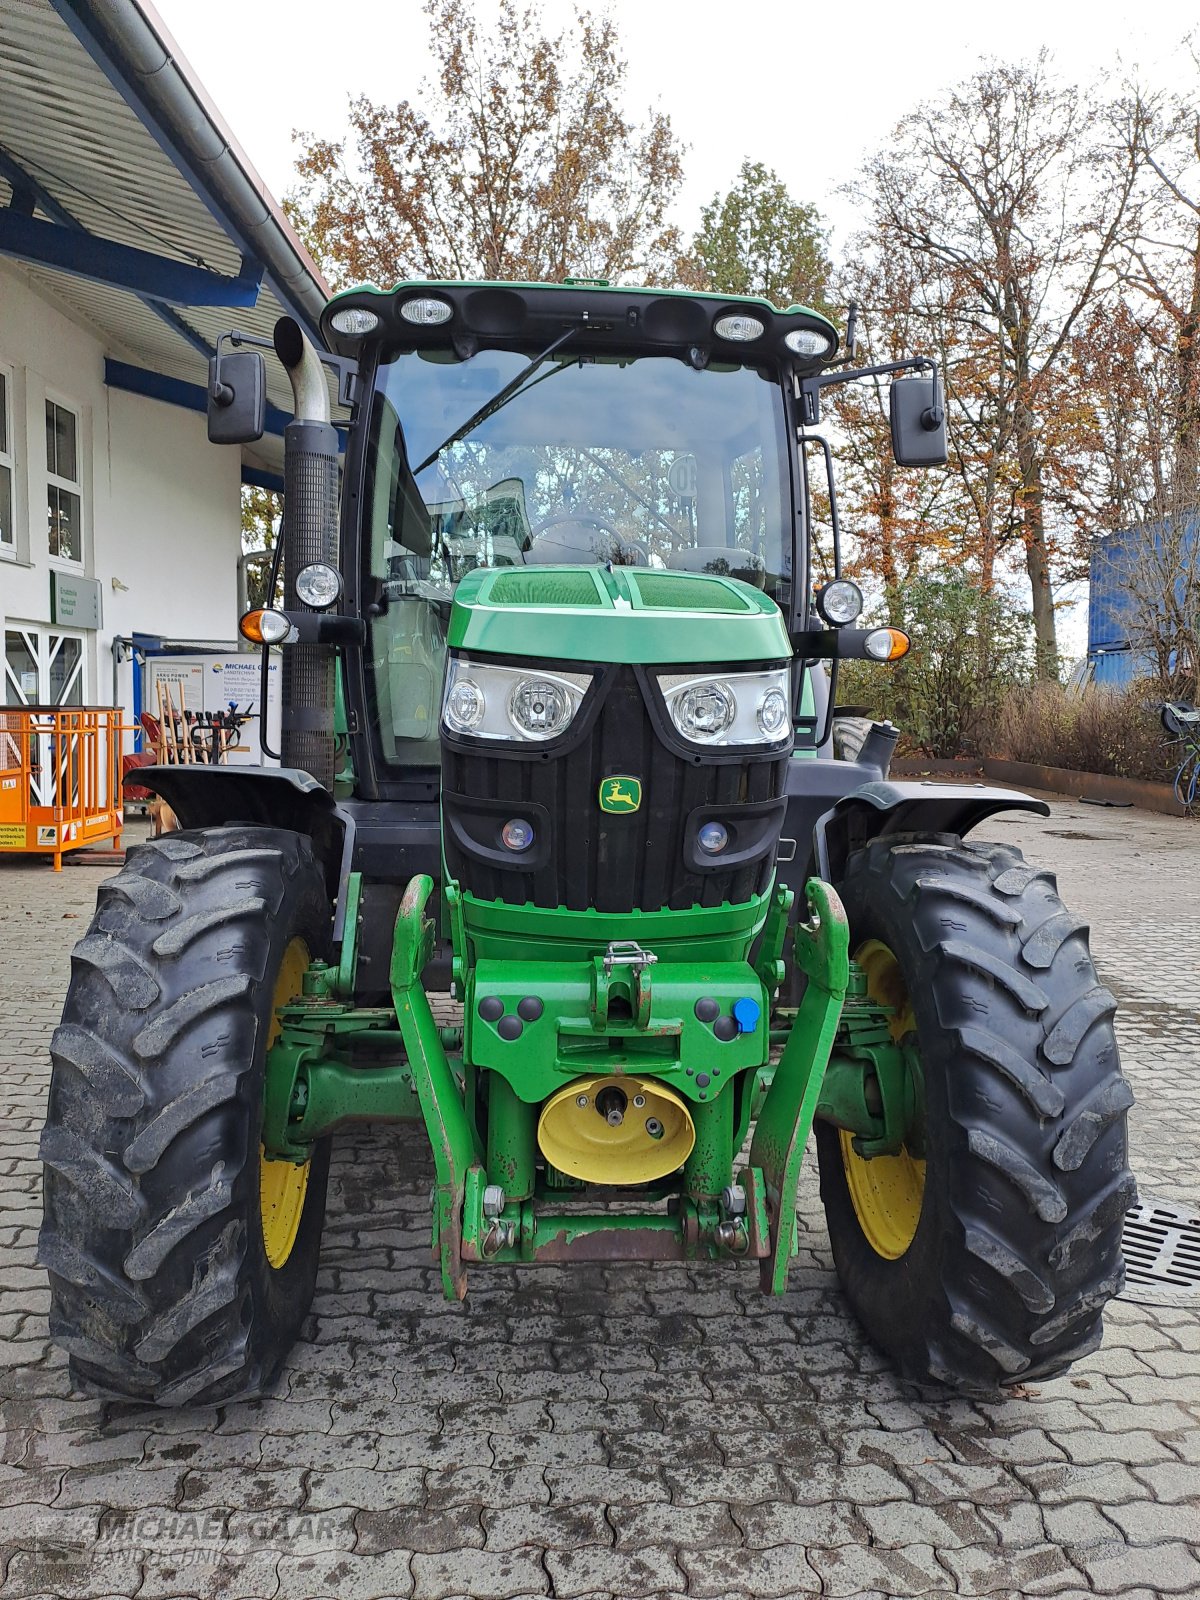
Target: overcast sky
808	98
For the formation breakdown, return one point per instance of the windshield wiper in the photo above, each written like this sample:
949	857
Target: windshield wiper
501	398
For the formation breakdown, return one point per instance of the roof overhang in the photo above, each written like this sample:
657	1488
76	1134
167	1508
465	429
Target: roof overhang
126	201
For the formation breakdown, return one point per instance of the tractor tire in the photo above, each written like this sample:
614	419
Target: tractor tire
991	1263
181	1262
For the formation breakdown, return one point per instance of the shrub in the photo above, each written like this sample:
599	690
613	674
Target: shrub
1110	731
969	649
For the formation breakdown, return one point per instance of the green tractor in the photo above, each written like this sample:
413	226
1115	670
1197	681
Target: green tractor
557	700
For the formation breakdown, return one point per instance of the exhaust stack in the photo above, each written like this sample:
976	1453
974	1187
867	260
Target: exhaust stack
310	477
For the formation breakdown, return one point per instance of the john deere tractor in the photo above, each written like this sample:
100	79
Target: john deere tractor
558	649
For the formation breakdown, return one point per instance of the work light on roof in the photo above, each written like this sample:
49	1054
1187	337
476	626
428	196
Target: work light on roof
355	321
738	327
426	311
808	342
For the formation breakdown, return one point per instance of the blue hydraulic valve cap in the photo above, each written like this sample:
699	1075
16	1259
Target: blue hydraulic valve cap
746	1013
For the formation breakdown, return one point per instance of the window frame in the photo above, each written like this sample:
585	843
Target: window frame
8	457
55	480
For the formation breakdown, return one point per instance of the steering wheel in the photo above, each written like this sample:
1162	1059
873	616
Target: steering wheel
591	537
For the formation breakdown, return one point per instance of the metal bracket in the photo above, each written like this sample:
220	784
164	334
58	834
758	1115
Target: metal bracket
347	967
454	1140
770	967
822	952
628	953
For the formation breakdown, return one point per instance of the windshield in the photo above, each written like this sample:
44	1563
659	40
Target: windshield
634	460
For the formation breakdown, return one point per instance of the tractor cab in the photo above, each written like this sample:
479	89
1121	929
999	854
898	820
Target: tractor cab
530	426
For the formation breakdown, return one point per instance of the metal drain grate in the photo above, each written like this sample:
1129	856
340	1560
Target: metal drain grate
1161	1244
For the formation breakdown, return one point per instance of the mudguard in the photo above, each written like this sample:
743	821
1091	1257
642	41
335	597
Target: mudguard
278	797
881	808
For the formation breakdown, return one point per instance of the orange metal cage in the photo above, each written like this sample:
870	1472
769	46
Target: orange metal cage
60	778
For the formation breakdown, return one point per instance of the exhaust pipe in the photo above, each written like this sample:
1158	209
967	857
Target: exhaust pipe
878	747
310	480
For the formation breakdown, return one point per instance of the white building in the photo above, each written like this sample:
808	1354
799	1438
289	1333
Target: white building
133	232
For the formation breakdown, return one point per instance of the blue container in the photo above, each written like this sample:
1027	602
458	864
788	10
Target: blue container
1110	605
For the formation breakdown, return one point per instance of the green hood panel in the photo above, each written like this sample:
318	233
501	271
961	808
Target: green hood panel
626	615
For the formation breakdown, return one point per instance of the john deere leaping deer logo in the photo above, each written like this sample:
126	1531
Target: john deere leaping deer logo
620	794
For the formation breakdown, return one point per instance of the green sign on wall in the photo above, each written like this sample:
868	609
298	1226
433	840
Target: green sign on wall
74	601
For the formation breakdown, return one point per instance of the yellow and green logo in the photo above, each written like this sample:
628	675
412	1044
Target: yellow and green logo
620	794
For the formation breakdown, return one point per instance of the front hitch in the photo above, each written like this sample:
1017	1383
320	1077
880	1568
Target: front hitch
822	952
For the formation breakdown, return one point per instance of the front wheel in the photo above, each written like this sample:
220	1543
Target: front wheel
182	1261
985	1253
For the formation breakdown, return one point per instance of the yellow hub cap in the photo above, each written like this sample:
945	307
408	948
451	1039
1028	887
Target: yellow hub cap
886	1191
282	1185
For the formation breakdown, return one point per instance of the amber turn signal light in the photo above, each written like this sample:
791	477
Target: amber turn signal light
886	644
250	626
265	626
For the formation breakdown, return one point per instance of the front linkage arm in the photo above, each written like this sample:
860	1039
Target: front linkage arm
455	1145
822	952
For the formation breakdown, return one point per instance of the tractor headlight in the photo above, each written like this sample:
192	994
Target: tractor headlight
839	602
319	585
734	708
540	707
486	701
465	706
703	710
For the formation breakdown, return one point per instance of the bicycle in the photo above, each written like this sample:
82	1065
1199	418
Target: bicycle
1182	722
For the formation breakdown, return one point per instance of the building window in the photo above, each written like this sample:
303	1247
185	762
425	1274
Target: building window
8	494
64	495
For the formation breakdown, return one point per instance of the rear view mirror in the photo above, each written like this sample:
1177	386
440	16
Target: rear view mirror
237	398
918	421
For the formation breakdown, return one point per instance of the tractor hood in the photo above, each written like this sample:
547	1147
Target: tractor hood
625	615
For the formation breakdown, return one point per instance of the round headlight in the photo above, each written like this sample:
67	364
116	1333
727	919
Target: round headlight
839	602
465	706
808	342
318	585
539	708
740	328
273	627
712	838
517	834
705	710
426	311
773	714
354	321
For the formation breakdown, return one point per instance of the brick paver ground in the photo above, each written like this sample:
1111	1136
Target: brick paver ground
642	1432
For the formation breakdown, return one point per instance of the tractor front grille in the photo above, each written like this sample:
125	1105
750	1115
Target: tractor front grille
583	857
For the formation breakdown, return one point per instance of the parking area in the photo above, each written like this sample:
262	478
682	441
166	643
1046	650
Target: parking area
635	1432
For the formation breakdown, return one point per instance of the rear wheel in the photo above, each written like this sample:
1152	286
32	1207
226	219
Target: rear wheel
181	1260
985	1253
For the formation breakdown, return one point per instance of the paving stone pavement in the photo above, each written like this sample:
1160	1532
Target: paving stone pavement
644	1432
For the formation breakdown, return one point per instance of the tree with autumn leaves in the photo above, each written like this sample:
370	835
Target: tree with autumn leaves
518	162
1041	240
